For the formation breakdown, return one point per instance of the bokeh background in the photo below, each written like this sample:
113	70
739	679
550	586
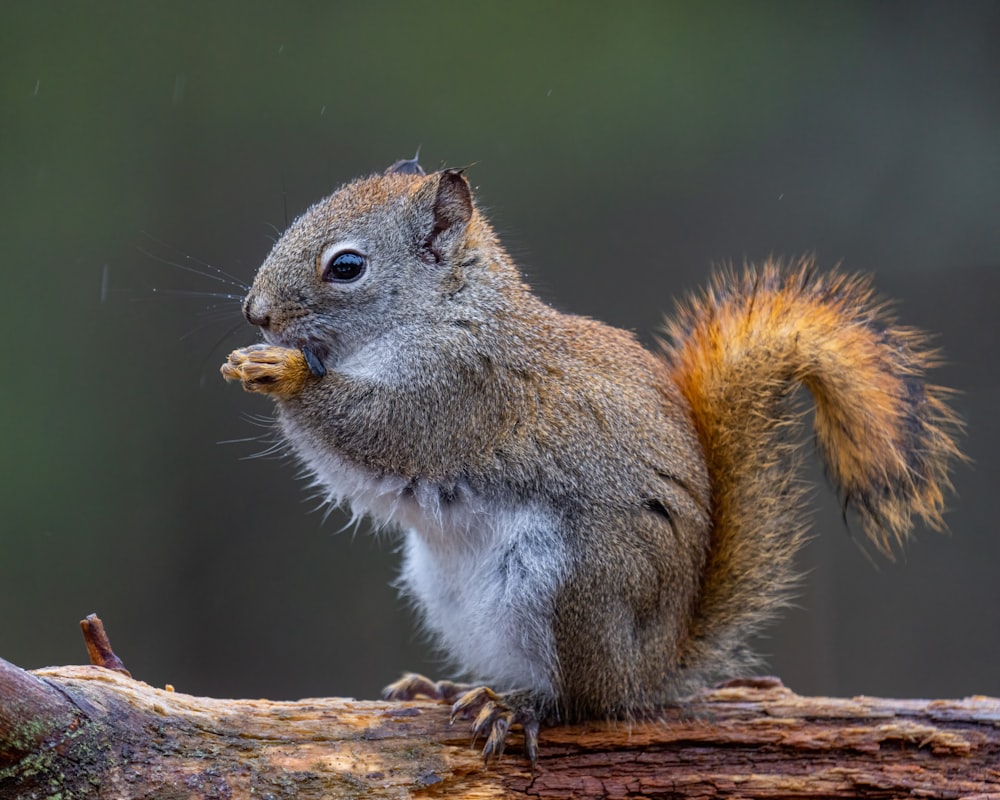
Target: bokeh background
621	150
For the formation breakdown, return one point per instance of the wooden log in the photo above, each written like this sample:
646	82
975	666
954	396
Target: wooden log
94	732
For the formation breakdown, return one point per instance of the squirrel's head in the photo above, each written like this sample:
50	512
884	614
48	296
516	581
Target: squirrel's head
382	251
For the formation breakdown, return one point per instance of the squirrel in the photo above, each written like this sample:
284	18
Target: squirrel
591	529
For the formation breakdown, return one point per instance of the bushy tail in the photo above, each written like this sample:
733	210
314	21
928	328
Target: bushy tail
737	352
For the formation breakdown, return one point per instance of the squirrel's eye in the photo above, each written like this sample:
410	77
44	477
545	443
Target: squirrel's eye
345	267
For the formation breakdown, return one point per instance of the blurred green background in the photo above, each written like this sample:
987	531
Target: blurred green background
620	149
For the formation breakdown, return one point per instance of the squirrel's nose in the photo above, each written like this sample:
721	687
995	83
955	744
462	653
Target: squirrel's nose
255	312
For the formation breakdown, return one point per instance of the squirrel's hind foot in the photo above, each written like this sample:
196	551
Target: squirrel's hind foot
494	716
413	685
494	713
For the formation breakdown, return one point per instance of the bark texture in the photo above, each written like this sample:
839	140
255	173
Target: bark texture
94	732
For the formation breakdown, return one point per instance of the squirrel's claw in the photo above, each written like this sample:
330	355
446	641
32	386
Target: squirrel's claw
268	369
496	714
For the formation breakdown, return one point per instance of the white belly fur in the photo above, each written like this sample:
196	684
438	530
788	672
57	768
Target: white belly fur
484	574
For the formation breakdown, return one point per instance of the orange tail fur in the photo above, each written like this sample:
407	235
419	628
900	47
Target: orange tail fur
737	352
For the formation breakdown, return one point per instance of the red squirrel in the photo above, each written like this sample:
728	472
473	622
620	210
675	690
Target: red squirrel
591	529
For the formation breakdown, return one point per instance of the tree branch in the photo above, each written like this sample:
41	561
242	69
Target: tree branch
89	731
94	732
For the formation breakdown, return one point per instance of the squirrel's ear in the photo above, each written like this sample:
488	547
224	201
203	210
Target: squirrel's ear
449	199
453	203
406	166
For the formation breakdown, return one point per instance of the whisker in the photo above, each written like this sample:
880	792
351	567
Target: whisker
197	293
219	311
260	420
276	449
239	441
201	267
188	268
210	322
201	262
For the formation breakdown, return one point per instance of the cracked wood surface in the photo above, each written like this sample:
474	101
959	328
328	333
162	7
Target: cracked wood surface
88	731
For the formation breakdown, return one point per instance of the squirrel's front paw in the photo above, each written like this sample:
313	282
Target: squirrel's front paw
272	370
494	715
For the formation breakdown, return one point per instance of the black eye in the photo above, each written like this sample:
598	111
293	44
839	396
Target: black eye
345	267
